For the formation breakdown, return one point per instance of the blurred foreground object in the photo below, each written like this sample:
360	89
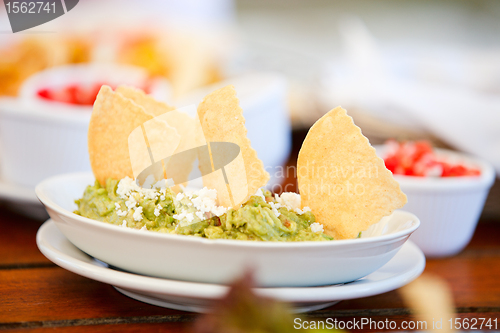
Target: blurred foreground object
242	311
431	300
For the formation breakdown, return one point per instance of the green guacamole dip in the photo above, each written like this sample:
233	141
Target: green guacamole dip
254	220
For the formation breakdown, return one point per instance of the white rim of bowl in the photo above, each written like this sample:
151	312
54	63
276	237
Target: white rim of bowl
39	190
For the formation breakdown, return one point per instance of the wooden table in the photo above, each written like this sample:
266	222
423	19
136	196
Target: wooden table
38	295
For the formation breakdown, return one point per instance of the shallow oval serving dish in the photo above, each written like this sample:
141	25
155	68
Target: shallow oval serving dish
276	264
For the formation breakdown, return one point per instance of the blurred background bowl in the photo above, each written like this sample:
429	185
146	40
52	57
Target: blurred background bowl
40	138
448	207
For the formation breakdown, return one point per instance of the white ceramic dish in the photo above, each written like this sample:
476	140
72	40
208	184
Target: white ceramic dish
220	261
404	267
449	207
37	143
41	138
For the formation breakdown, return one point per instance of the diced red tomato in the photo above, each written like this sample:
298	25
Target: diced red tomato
75	93
72	94
418	159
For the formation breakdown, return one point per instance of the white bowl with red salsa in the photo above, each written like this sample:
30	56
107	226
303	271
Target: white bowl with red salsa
445	188
419	159
76	86
43	132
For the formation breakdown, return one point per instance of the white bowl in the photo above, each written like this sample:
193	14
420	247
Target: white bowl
448	207
41	138
37	143
220	261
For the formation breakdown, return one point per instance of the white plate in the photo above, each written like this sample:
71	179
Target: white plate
220	261
404	267
22	199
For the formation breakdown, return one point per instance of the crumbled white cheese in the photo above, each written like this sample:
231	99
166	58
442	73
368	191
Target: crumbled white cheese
290	200
275	207
138	214
158	208
131	203
124	224
119	211
191	206
144	228
302	211
195	206
149	194
189	217
127	186
259	193
317	227
204	201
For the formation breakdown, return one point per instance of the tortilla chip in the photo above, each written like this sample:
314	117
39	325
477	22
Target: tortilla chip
222	121
149	146
151	106
113	118
162	138
179	167
139	153
342	180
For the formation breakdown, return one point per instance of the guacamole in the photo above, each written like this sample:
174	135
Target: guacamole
262	218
